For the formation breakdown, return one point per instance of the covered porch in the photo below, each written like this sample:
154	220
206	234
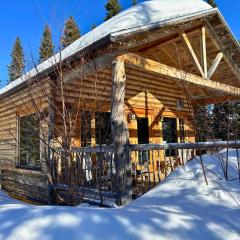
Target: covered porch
149	100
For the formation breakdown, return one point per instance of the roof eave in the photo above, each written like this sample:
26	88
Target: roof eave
115	36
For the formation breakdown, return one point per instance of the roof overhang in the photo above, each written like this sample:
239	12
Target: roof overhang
120	39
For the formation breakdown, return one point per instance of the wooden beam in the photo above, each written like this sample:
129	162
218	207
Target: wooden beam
177	74
120	135
192	53
204	51
214	65
218	44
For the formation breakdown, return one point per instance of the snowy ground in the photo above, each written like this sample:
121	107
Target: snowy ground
182	207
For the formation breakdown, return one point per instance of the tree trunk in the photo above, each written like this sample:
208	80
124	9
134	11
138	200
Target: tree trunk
120	135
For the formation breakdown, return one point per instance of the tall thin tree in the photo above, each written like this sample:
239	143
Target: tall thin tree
71	32
17	65
46	49
113	8
212	3
93	26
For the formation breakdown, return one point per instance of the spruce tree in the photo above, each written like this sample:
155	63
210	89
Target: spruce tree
134	2
113	8
16	67
212	3
202	123
46	47
93	26
71	32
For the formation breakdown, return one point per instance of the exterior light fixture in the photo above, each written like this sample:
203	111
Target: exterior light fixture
131	117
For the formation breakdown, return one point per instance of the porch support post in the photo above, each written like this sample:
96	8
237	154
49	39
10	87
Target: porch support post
120	135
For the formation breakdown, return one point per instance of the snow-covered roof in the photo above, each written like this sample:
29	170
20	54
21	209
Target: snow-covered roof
140	15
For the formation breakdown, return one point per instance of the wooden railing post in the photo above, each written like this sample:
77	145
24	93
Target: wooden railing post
120	135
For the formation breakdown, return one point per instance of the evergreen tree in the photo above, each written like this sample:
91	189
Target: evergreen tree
203	123
226	120
16	67
71	32
134	2
93	26
212	3
46	47
113	8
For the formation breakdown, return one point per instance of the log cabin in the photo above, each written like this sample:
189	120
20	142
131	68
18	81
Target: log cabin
135	79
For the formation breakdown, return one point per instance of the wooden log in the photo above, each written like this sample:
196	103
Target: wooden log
197	145
204	51
179	75
120	135
192	53
220	46
214	65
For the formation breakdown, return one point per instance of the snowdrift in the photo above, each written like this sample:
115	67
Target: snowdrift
181	207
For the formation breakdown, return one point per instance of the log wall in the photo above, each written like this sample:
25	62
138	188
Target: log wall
26	184
23	182
147	95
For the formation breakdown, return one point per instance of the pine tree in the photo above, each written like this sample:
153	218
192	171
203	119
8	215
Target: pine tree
202	123
212	3
225	117
113	8
93	26
71	32
46	47
17	65
134	2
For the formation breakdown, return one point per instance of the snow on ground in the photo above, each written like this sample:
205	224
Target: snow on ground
181	207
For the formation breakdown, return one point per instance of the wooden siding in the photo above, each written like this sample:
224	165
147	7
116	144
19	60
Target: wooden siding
27	184
21	181
147	95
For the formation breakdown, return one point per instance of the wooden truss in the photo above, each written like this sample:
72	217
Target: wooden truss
203	67
178	75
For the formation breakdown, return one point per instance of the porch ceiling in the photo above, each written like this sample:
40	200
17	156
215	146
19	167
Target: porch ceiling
198	89
173	53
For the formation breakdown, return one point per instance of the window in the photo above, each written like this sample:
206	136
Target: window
180	104
29	142
103	128
85	129
169	130
181	130
143	138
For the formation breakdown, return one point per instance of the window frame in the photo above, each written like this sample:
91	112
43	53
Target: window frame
19	164
182	134
103	141
85	128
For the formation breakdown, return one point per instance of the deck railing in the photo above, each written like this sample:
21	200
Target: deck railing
90	174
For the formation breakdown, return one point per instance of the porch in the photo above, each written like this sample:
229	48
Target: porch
144	86
92	175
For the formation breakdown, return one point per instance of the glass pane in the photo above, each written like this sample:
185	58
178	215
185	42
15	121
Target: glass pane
29	141
85	128
103	128
169	129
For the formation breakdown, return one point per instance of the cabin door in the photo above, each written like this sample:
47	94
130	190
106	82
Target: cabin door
143	138
143	130
169	130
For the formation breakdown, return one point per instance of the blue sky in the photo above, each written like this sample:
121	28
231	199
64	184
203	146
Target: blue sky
27	18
